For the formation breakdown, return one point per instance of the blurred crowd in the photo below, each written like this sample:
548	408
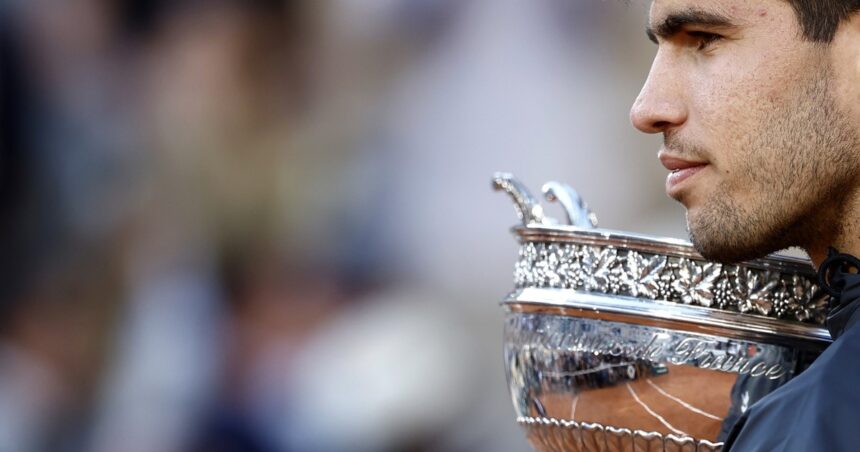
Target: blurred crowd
266	225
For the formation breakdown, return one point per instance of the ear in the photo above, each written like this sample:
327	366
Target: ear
852	37
845	56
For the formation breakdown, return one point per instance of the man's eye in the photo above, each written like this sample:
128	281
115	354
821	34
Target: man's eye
704	39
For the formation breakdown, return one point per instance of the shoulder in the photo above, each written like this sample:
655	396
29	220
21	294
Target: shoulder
837	369
816	409
833	379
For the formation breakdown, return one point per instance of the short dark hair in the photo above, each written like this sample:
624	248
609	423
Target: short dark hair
821	18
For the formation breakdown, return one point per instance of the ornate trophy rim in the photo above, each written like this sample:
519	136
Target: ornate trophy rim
584	268
646	243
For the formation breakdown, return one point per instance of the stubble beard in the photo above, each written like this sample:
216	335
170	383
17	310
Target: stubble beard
797	176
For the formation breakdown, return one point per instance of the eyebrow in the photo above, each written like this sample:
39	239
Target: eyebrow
673	23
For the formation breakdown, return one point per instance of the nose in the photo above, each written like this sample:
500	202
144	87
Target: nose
660	105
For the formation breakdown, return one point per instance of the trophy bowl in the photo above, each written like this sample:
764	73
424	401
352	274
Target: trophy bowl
620	342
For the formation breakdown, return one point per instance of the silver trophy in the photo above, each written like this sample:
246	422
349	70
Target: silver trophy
622	342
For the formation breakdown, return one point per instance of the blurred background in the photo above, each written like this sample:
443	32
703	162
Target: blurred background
267	225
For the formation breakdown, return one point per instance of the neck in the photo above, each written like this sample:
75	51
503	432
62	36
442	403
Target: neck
819	253
843	235
817	256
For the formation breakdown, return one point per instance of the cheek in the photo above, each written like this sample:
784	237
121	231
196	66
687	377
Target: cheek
730	94
733	99
846	90
723	118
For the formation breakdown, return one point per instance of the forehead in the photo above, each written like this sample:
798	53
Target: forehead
739	11
770	22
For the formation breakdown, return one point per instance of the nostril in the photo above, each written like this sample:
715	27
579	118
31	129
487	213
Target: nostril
660	125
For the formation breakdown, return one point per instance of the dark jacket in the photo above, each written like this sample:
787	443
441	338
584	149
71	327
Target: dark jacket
819	410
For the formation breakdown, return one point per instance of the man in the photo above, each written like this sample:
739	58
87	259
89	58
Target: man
759	106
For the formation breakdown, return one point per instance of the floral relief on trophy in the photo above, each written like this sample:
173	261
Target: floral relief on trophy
609	270
570	267
601	269
695	281
646	276
810	301
755	291
724	291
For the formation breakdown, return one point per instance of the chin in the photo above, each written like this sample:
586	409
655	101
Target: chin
723	241
725	247
695	207
722	255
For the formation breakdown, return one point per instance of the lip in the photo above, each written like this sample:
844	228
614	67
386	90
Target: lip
681	171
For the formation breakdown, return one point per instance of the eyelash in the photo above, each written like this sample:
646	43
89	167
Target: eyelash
704	38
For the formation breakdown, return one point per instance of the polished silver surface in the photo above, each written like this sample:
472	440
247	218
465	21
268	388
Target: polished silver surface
568	372
670	315
529	210
785	292
575	208
619	341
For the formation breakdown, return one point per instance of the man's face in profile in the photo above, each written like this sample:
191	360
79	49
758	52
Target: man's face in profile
759	124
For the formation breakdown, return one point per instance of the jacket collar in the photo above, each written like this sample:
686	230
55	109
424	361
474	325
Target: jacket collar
839	275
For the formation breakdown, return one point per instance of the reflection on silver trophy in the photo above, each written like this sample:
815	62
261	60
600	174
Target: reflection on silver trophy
622	342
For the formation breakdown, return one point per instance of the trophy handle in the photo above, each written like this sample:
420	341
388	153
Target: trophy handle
528	209
578	213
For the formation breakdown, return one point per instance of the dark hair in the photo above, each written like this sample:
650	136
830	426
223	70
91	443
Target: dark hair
821	18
